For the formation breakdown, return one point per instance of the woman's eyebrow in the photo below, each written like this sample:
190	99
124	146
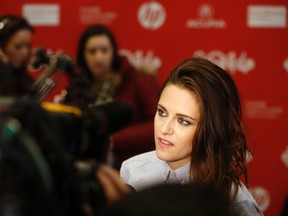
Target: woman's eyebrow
162	107
185	116
177	114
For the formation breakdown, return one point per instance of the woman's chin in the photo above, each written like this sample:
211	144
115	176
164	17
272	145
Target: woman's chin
162	155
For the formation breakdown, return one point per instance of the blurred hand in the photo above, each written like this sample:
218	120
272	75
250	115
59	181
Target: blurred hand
113	186
54	55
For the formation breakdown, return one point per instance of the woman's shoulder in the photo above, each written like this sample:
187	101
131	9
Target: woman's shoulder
144	161
144	157
245	202
143	171
126	69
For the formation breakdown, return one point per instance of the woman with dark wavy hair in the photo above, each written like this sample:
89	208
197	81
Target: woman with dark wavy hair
199	135
107	46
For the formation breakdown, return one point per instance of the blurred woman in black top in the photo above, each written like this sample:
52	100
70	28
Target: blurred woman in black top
15	50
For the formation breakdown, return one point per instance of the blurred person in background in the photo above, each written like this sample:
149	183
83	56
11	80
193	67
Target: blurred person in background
15	50
104	76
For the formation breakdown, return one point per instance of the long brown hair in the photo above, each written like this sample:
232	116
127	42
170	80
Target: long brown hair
219	146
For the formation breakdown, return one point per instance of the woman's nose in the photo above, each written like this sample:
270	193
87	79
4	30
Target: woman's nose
167	127
98	55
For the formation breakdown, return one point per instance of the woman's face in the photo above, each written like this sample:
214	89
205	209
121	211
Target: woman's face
98	54
175	124
18	48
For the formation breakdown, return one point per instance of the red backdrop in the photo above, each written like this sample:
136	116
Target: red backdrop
248	39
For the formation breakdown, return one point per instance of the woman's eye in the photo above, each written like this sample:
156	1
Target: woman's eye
92	51
161	113
183	122
104	50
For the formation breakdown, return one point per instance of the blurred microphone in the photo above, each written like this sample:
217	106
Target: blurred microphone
44	84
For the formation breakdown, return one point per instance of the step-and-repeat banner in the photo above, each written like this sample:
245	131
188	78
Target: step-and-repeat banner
248	39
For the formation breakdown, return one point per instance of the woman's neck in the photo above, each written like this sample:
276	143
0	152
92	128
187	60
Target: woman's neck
100	79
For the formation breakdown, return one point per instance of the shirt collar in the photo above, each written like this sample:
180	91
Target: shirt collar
182	173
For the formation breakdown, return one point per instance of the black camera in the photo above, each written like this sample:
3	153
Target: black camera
69	144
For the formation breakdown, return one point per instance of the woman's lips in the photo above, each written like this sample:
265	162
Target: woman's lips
98	68
164	143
